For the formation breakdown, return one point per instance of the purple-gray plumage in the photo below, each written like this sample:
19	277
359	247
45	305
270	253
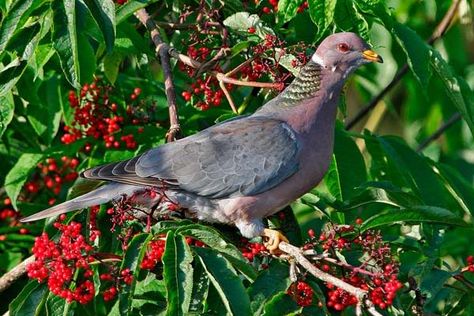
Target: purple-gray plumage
244	169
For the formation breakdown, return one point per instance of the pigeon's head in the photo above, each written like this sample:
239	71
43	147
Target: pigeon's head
344	52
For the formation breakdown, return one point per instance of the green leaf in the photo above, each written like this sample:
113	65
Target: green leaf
7	109
242	21
10	75
417	51
213	239
287	10
178	274
322	13
394	161
347	170
456	87
16	17
45	117
30	301
56	305
281	304
415	214
103	12
150	291
130	8
268	283
458	185
111	66
65	39
225	280
200	289
348	18
134	255
18	175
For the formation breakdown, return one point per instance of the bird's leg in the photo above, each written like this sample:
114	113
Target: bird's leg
274	239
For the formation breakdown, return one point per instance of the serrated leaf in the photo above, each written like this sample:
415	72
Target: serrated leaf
213	239
103	12
417	51
281	304
30	300
225	280
322	13
287	10
178	274
268	283
65	39
415	214
7	109
456	87
133	256
18	175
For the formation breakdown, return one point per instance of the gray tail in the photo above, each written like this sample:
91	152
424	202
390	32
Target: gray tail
98	196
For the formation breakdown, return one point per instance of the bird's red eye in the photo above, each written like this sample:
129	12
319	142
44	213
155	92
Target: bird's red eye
343	47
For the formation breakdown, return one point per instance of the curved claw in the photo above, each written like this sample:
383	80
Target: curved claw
274	239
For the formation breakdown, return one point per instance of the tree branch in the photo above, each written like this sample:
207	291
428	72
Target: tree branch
162	50
450	122
299	257
14	274
439	31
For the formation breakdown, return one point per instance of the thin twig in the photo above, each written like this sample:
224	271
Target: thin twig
348	266
439	31
14	274
450	122
228	96
162	50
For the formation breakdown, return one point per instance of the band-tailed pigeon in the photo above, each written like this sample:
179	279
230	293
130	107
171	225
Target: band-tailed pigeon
244	169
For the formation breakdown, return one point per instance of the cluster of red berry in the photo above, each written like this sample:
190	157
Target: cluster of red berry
52	174
377	274
251	249
59	261
10	217
470	264
302	293
63	262
206	89
96	116
116	279
7	212
153	255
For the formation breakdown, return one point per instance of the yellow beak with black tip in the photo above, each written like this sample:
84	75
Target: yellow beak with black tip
372	56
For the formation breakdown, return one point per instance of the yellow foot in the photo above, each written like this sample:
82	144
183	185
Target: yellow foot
274	239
